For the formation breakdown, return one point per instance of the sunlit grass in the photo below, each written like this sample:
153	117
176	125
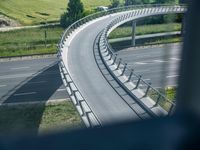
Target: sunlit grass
39	118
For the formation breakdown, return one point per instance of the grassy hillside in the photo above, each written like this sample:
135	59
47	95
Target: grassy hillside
35	11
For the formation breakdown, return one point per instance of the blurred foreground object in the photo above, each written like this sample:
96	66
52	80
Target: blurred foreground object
180	131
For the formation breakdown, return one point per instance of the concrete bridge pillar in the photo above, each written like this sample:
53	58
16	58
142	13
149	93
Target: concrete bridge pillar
133	32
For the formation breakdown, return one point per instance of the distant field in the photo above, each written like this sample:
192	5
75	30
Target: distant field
145	29
30	12
29	41
32	41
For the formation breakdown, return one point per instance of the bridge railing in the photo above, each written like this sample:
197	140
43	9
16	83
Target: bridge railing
78	100
148	89
91	17
73	90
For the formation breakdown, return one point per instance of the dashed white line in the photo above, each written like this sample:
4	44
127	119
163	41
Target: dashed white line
140	63
18	68
160	61
2	86
16	76
146	79
22	94
178	59
172	76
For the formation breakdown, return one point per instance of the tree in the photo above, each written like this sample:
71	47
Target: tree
114	3
133	2
74	12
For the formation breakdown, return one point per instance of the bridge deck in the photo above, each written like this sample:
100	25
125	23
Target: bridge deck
104	101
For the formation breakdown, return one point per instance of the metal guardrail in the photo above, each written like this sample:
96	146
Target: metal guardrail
88	18
133	77
68	81
77	98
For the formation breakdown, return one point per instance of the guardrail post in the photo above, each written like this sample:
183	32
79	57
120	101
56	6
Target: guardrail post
148	88
81	106
75	98
111	55
114	59
108	52
124	69
70	88
133	32
88	118
171	110
158	100
138	82
130	76
120	60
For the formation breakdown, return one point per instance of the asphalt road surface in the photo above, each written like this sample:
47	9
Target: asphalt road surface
104	101
158	65
31	81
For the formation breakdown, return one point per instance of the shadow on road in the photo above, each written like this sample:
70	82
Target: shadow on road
39	87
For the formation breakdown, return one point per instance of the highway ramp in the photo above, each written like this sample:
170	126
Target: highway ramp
105	102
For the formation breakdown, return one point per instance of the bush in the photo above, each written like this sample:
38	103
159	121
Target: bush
75	11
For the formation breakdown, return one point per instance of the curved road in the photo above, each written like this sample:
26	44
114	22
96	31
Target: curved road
108	106
105	101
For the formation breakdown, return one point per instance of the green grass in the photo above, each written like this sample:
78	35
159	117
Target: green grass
145	29
170	93
32	41
152	41
30	12
29	41
38	118
164	41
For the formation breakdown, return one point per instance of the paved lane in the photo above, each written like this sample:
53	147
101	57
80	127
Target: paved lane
158	65
31	80
104	101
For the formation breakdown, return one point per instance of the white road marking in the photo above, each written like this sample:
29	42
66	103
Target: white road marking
160	61
2	86
178	59
146	79
24	75
140	63
60	90
172	76
21	94
16	76
20	68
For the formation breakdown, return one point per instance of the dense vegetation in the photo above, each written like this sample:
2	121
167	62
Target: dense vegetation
75	11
